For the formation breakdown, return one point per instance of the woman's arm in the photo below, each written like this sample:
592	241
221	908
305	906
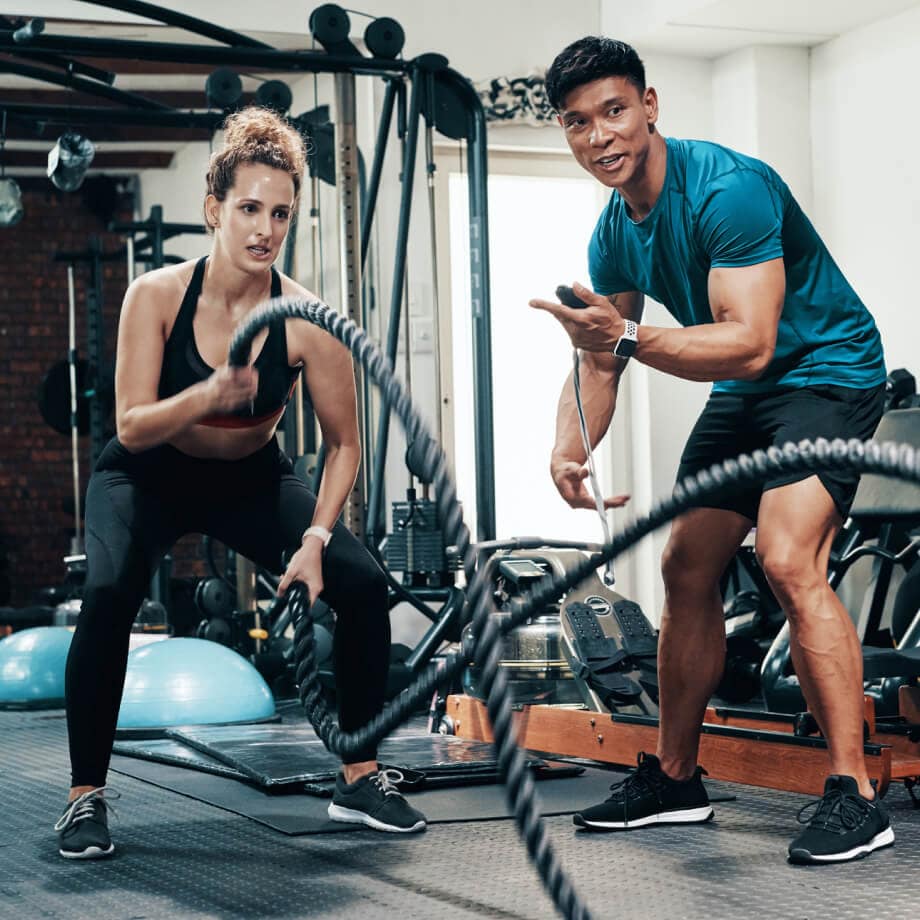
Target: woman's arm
142	419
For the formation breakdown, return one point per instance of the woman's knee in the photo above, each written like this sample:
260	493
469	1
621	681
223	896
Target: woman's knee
110	602
358	583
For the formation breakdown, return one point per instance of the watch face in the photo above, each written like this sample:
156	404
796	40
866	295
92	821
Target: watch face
625	348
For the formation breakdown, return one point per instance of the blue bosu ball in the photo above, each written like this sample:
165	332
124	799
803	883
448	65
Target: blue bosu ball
191	682
32	667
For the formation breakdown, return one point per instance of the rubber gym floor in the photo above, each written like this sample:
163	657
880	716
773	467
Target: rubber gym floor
178	857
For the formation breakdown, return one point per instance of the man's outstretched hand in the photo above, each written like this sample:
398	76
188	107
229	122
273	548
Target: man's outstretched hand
596	327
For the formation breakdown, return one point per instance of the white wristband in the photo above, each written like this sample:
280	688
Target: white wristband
317	531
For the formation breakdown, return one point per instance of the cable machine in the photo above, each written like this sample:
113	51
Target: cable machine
457	112
424	90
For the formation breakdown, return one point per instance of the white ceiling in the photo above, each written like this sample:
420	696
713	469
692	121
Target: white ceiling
711	28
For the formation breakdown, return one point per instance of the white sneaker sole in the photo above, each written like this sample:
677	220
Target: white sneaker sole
687	816
89	853
883	838
351	816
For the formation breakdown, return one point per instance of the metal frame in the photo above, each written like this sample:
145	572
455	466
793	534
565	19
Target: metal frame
244	52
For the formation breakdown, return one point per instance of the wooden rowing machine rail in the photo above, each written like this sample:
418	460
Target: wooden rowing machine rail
738	746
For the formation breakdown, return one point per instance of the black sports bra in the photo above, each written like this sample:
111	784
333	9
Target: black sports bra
183	365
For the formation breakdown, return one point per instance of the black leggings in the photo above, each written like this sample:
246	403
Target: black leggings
137	506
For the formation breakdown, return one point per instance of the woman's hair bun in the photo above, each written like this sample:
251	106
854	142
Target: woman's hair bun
256	135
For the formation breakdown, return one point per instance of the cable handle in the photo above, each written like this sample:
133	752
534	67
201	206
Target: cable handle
569	298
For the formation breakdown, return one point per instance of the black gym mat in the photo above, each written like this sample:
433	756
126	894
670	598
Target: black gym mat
424	762
177	754
306	814
283	755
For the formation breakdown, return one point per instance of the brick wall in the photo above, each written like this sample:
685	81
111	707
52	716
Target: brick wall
35	461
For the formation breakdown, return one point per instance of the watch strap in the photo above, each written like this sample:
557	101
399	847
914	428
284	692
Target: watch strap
317	531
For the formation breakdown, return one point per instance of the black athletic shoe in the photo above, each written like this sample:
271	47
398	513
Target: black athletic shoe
375	801
83	829
649	796
843	825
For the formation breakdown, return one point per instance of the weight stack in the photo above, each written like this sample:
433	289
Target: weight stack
416	546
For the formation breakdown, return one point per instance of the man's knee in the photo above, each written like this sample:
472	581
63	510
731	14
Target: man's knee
792	573
684	567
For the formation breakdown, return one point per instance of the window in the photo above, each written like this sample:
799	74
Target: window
542	210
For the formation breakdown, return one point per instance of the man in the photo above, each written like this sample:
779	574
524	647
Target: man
768	317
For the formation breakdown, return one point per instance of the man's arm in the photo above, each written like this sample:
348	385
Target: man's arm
599	380
746	304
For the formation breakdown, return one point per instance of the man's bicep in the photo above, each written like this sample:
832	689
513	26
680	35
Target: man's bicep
752	295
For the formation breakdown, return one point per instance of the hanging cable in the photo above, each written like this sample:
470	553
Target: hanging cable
592	469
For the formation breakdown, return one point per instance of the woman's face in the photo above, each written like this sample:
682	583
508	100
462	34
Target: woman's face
250	224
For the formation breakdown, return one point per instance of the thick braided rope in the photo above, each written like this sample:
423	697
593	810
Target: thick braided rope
899	460
512	764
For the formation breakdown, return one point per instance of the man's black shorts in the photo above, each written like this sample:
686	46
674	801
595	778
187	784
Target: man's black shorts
731	424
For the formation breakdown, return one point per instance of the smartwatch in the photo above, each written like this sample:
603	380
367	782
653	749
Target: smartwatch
317	531
628	341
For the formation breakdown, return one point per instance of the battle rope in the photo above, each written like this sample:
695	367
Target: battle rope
899	460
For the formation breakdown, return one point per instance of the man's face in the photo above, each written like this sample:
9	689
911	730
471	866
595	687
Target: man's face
606	124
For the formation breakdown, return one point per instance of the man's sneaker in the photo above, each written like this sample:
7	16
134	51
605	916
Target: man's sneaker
83	829
649	796
843	825
375	801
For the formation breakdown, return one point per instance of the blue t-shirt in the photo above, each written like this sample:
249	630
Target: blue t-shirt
721	208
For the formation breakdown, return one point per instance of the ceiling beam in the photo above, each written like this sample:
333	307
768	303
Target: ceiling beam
107	159
178	99
98	133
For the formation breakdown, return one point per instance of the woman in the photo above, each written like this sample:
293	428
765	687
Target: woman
195	452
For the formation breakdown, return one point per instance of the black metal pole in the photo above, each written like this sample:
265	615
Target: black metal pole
299	424
110	115
172	18
477	160
156	235
383	133
266	59
399	274
80	84
24	35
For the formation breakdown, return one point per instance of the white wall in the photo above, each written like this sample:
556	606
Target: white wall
865	138
783	116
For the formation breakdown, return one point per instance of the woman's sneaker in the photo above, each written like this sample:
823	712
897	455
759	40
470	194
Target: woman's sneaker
375	801
83	829
843	825
649	796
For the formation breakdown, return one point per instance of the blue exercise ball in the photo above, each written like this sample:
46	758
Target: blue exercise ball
191	682
32	665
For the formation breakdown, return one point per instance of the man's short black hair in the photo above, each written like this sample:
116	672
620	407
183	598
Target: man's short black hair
592	58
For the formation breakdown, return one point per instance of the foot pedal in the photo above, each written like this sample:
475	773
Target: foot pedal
639	638
608	644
